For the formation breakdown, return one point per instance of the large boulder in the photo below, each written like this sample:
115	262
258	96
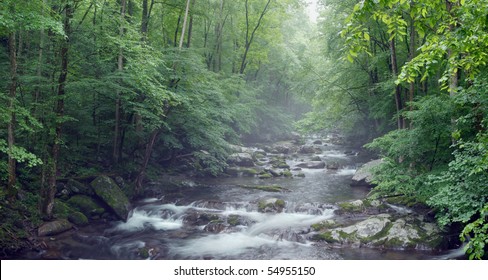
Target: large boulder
364	176
241	159
76	187
78	219
87	205
385	231
110	193
54	227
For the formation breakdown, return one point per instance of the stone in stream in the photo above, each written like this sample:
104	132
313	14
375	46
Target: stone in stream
241	159
76	187
87	205
110	193
312	165
275	173
334	165
54	227
315	158
78	218
386	231
363	176
271	205
307	149
215	227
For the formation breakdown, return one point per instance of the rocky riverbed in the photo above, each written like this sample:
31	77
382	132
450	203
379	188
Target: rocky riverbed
293	199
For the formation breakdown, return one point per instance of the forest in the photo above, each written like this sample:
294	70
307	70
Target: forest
142	88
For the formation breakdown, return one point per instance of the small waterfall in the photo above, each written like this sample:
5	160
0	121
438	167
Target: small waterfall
223	230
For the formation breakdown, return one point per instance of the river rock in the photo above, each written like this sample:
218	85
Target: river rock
273	205
315	158
78	218
79	188
196	218
281	149
275	173
241	159
290	235
363	176
259	154
241	171
312	164
386	232
110	193
215	227
333	165
54	227
87	205
306	149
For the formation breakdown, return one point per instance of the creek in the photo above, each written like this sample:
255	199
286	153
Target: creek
228	218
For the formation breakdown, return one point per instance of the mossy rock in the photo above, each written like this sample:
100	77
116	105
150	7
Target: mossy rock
287	174
300	175
275	173
110	193
232	171
352	207
79	188
323	225
326	236
271	205
249	172
262	205
265	176
267	188
78	218
315	158
143	252
233	220
257	155
61	210
283	165
54	227
86	205
280	203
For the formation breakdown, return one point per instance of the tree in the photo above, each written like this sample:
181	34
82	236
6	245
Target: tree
49	191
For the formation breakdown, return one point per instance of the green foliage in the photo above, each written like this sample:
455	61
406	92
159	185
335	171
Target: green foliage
17	219
427	143
462	188
27	15
478	230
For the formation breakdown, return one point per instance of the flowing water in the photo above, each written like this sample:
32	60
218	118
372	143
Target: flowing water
217	218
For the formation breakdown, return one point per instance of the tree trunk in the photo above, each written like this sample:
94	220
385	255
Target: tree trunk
183	28
219	25
147	157
12	178
120	68
250	34
176	30
49	192
144	20
411	89
398	91
190	27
